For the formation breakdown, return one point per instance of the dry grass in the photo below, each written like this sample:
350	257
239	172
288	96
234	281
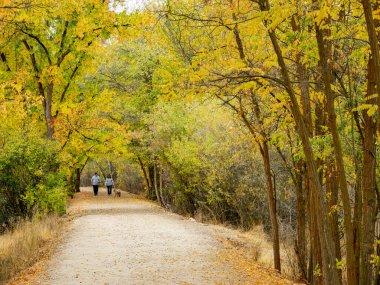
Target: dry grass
26	244
253	250
249	254
258	239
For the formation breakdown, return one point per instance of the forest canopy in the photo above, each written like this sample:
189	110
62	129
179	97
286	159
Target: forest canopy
241	112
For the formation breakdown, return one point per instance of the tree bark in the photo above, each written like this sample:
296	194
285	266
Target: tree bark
332	203
301	221
315	261
148	186
324	49
272	205
357	222
155	184
161	188
302	74
151	194
264	150
369	183
374	44
48	111
77	180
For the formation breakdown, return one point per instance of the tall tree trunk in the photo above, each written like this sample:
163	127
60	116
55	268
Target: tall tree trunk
77	180
161	188
377	268
147	182
301	221
372	24
302	74
369	183
332	203
315	261
324	49
320	121
272	205
155	182
151	190
357	222
264	150
328	251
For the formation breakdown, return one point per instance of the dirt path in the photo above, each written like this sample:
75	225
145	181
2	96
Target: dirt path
132	241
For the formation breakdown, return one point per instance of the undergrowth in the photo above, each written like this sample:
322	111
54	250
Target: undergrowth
24	245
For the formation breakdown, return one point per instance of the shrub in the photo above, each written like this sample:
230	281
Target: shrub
30	180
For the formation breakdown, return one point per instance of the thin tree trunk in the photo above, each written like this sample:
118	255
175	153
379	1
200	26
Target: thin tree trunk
369	184
77	180
315	265
301	221
357	218
332	203
320	122
374	44
145	175
264	150
324	49
151	193
272	205
377	278
301	211
357	222
328	254
48	111
270	191
309	213
163	199
155	183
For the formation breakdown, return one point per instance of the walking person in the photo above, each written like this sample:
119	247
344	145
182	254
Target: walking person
95	180
109	183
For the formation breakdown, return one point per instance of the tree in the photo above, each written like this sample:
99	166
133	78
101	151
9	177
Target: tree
52	41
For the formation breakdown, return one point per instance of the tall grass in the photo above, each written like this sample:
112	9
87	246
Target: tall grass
23	246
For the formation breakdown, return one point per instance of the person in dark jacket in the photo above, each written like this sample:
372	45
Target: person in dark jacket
95	180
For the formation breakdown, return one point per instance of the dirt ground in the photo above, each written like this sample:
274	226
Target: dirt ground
129	240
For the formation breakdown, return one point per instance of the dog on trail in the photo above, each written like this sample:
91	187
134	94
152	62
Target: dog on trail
117	193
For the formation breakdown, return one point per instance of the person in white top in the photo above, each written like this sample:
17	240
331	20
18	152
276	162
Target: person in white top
95	180
109	183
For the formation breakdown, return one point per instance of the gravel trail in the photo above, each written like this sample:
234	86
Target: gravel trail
128	241
131	241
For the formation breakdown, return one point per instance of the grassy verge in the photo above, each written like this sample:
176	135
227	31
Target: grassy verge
28	243
252	252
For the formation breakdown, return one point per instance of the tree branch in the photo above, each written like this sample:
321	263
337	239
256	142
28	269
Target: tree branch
40	43
4	59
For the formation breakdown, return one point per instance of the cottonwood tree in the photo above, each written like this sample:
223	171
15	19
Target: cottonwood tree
50	42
